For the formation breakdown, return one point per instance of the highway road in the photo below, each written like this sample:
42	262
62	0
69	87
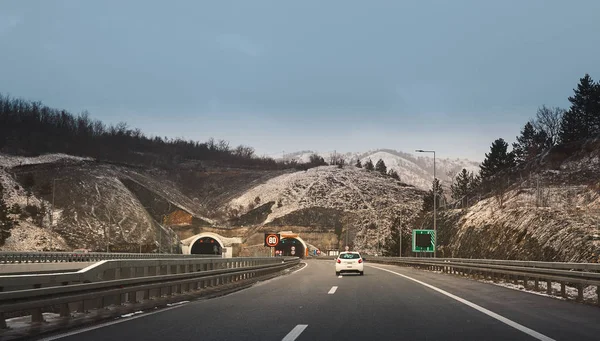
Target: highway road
387	303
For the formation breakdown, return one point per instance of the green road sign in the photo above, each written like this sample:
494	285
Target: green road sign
423	240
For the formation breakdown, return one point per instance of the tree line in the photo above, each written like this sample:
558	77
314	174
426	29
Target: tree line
551	126
379	167
30	128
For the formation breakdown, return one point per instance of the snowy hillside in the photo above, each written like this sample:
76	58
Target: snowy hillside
414	169
562	228
95	204
366	202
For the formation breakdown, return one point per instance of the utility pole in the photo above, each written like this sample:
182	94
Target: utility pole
107	234
52	213
160	234
378	241
141	238
400	243
434	211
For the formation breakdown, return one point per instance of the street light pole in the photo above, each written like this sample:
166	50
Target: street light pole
52	213
434	202
52	210
400	242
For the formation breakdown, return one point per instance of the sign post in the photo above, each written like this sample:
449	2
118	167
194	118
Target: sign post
272	240
423	241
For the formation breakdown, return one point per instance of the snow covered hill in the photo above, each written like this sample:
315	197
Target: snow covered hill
367	204
414	169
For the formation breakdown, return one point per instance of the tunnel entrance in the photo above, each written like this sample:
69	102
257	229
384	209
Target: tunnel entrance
206	246
287	246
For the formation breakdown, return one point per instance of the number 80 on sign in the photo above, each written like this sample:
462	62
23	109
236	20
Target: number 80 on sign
271	239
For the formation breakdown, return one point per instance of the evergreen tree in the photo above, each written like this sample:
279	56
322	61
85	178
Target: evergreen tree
358	164
316	160
6	222
369	165
462	186
474	186
392	247
572	127
498	159
583	118
529	144
394	174
381	167
428	199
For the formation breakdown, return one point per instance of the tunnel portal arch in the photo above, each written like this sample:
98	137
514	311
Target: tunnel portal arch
207	244
288	245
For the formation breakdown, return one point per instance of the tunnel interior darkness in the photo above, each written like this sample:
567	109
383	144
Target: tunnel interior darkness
206	246
286	245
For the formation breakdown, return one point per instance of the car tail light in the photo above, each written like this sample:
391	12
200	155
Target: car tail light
360	261
338	260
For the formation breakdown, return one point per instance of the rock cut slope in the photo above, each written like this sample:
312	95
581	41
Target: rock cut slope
551	212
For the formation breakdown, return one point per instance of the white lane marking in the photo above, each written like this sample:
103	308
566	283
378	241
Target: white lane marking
489	313
293	335
178	305
265	282
340	276
332	290
83	330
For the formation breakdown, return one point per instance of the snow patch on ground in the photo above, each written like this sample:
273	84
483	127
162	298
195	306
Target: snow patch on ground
14	193
10	161
589	292
177	303
416	170
29	237
132	314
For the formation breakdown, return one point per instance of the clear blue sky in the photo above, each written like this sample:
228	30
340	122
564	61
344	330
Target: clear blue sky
294	75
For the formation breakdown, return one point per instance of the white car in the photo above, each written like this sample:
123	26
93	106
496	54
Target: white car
349	262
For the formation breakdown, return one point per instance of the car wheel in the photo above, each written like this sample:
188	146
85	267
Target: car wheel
337	273
362	273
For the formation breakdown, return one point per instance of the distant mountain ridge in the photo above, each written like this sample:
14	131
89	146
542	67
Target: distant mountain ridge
413	169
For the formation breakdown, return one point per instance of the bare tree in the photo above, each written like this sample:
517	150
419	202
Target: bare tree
548	120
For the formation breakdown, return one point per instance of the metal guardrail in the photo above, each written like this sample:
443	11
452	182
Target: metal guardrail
54	257
566	274
107	270
86	296
577	275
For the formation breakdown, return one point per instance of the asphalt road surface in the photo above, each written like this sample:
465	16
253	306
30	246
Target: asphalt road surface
387	303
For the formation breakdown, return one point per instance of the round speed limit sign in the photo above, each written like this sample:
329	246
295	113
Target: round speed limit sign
272	240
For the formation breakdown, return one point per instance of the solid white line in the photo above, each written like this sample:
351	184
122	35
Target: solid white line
83	330
179	305
268	280
489	313
332	290
293	335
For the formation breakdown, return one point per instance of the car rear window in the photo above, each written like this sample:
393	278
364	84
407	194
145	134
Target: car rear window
349	256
